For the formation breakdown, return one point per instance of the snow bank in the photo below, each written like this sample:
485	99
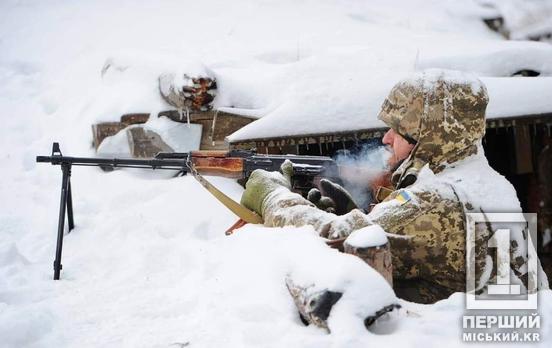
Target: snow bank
525	19
499	59
518	96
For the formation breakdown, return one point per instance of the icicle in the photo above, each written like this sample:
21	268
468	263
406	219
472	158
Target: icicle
180	113
213	125
188	116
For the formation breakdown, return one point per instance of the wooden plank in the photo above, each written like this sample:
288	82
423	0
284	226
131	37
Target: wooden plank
100	131
523	148
136	118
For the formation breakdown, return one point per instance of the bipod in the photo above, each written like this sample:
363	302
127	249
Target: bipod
65	204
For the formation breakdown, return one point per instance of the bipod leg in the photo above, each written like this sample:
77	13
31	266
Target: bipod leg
66	170
70	221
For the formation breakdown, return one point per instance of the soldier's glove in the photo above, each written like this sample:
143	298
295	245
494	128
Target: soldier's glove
262	183
323	203
342	226
332	198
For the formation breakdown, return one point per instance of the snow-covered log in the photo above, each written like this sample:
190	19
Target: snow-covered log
191	93
371	245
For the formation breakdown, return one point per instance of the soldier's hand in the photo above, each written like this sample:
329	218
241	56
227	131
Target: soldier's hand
342	226
332	198
323	203
261	183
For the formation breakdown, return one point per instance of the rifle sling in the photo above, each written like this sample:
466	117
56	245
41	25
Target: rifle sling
238	209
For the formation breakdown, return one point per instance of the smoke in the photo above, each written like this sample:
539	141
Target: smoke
359	168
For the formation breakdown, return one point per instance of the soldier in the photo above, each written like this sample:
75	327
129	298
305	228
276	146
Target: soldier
437	122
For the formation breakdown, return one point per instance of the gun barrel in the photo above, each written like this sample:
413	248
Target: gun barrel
43	159
174	164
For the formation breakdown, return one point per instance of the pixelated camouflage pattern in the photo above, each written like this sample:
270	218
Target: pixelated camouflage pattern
283	208
443	111
427	237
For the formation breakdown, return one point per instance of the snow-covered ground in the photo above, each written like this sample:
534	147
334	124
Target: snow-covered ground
148	264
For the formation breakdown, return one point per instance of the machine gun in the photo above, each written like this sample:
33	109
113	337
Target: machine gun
235	164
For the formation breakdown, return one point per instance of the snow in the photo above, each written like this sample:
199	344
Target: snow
180	137
525	19
148	264
370	236
430	78
518	96
498	60
115	145
182	78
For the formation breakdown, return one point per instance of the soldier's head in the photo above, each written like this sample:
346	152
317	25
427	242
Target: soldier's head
442	112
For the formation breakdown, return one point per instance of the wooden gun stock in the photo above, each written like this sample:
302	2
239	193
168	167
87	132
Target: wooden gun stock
228	167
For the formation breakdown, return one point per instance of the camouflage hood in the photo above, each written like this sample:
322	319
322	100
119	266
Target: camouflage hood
443	111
